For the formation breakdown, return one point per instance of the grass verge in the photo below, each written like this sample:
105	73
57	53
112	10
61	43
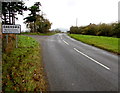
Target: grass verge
23	69
41	34
107	43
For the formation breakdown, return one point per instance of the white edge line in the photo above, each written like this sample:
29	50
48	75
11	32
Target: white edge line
92	59
65	42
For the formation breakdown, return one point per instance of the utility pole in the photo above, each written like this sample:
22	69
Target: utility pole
76	21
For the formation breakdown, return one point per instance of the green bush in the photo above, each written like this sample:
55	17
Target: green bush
104	30
116	30
98	30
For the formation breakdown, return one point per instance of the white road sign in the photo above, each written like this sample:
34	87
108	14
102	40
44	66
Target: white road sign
11	29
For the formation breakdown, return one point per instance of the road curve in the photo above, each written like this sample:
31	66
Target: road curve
74	66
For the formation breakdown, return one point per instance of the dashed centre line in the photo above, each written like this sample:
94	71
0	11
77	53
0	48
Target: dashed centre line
92	59
65	42
87	56
61	37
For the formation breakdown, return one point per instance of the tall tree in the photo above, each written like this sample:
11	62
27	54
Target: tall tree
43	25
35	9
10	10
36	20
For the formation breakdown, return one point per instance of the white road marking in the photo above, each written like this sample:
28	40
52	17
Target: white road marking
71	38
65	42
61	37
92	59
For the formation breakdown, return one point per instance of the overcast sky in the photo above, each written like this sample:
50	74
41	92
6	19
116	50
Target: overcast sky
63	13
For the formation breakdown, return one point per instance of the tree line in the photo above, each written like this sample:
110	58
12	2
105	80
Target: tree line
35	20
102	29
10	11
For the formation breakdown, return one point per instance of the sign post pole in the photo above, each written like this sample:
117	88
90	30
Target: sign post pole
16	41
7	38
11	29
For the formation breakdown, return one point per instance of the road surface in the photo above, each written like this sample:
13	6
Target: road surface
74	66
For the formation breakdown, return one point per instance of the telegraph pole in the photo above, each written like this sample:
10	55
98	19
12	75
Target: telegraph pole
76	21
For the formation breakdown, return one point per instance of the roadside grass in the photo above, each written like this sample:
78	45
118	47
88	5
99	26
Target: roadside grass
107	43
23	69
41	34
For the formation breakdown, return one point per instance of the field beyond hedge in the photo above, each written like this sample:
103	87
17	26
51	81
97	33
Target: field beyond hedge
107	43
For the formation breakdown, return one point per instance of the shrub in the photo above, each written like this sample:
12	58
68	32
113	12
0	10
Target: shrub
98	30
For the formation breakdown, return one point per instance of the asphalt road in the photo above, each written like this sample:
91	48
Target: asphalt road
74	66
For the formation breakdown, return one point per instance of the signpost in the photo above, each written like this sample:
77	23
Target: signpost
11	29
